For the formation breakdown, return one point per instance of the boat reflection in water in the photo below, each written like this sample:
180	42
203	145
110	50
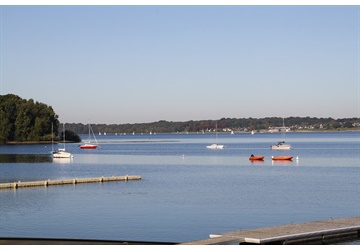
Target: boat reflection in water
25	158
63	160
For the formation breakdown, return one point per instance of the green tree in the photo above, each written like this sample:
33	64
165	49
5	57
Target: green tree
25	120
70	136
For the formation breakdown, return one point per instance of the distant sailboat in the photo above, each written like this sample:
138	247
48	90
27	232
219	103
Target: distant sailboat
61	152
89	145
215	145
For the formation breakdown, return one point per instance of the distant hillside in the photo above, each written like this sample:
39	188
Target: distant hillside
224	124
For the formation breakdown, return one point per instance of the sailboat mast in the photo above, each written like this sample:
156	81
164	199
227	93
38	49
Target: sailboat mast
283	131
216	131
64	134
52	137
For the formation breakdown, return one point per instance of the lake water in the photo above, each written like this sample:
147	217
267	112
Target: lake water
187	191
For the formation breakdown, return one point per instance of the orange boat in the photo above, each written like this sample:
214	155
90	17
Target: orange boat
282	158
256	158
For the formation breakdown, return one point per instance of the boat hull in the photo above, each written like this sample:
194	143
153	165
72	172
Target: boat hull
61	155
282	158
281	147
256	158
88	146
215	146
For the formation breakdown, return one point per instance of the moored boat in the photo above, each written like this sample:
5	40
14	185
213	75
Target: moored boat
215	146
61	152
282	158
88	146
281	146
256	158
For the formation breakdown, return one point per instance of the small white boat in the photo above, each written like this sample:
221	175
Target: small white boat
281	145
61	152
215	146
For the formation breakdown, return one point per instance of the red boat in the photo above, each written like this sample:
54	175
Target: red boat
282	158
256	158
88	146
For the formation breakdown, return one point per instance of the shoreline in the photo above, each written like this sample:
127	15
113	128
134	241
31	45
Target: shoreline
239	132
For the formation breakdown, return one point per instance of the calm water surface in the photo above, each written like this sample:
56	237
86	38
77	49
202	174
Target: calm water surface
187	191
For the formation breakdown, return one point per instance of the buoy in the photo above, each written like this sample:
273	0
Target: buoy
297	158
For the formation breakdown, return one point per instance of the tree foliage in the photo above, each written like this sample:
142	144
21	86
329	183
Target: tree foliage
25	120
70	136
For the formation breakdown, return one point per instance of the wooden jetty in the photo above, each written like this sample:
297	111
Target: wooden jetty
46	183
330	231
318	232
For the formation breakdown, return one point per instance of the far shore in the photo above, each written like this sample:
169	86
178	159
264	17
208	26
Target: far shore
239	132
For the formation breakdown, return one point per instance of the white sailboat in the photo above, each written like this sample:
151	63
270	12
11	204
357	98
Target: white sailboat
281	145
216	145
89	145
61	152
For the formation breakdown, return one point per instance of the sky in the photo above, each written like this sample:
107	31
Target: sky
144	63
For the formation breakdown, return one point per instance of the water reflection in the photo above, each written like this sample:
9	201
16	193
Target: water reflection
281	162
257	162
25	158
63	160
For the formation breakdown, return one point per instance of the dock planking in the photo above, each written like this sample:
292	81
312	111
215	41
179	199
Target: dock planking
317	232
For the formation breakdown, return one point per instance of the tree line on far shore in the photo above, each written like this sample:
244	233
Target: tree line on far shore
223	125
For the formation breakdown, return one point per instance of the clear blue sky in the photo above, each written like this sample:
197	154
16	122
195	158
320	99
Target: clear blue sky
133	64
